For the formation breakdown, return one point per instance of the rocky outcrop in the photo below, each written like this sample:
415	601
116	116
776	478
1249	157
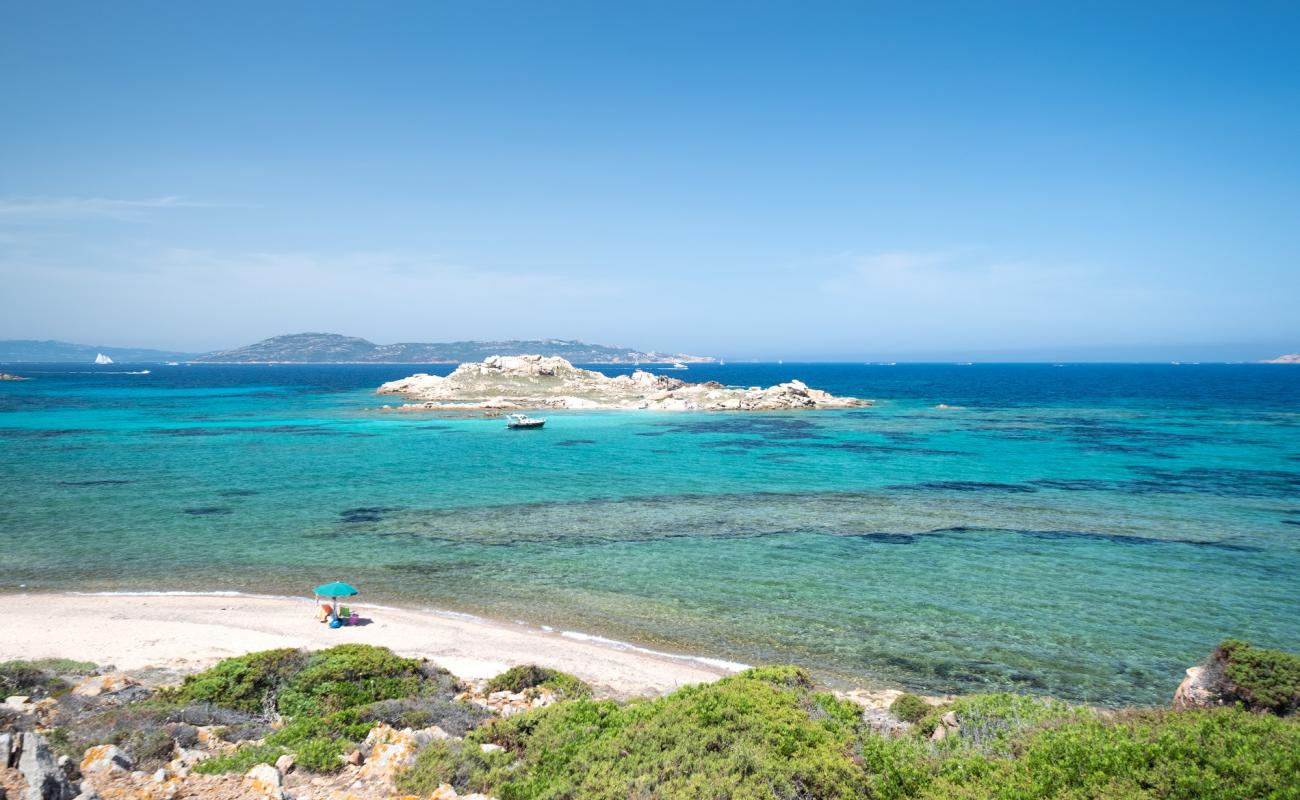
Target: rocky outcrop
45	779
265	781
96	685
1289	358
503	703
390	750
1199	689
947	726
539	382
105	758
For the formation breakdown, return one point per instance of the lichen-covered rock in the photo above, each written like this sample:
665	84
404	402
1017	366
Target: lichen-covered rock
105	758
97	685
264	780
447	792
388	750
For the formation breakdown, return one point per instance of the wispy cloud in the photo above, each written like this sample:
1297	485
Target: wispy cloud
959	274
990	297
55	208
395	295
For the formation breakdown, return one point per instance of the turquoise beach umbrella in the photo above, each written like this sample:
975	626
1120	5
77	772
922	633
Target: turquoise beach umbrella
335	589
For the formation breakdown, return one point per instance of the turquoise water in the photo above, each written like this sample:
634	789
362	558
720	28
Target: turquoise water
1083	531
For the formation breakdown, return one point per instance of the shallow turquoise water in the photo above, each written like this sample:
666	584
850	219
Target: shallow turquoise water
1086	531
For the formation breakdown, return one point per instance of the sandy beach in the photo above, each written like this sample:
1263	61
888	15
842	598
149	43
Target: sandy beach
132	631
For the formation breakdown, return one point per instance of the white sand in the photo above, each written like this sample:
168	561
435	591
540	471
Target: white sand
192	631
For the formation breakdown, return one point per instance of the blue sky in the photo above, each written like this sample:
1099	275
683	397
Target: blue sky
778	180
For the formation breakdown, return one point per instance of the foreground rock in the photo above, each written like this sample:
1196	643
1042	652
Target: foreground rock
40	768
1199	689
534	382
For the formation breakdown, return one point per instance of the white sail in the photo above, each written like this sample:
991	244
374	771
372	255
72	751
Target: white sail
100	358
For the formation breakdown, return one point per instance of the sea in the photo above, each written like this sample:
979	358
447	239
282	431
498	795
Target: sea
1076	530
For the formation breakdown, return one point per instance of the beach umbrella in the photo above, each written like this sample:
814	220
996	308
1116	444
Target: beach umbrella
335	589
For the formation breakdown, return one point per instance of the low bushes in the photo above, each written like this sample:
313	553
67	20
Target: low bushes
147	730
989	722
762	733
1220	754
249	683
528	676
909	708
1259	679
766	734
421	712
40	677
330	699
292	682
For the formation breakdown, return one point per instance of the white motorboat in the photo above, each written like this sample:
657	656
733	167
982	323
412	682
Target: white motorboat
677	365
523	421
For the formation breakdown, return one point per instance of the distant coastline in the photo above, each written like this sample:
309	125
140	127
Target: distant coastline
332	348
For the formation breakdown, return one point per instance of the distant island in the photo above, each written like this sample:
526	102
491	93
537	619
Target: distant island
49	350
1289	358
332	348
323	348
536	381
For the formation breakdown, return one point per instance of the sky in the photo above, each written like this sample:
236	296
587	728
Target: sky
877	180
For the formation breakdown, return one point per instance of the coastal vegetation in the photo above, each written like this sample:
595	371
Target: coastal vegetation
529	676
330	700
40	677
1256	678
909	708
767	732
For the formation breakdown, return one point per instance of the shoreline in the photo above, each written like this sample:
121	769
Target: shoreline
191	630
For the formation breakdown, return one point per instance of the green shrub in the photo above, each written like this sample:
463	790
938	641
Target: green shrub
441	762
989	723
146	729
350	675
39	677
762	733
456	718
317	743
322	697
241	760
909	708
293	682
323	754
249	683
528	676
457	763
1258	678
341	725
1223	754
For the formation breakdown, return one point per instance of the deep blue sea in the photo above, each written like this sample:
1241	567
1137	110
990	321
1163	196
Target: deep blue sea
1086	531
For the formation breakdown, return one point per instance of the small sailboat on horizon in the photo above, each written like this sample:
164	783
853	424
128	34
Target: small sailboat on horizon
100	358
